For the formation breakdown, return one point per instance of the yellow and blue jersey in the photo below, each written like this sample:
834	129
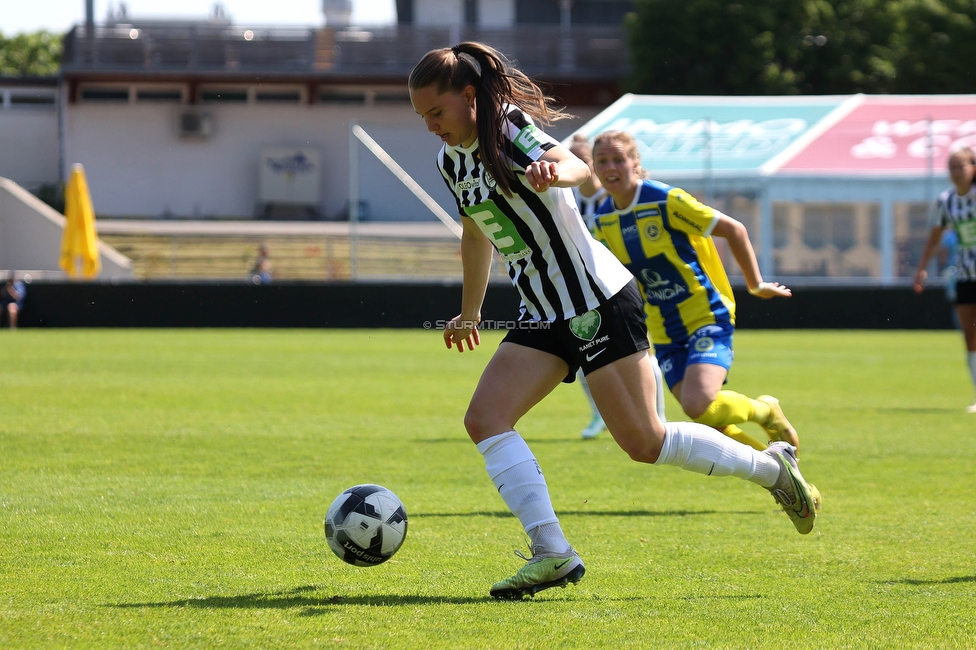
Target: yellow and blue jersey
664	238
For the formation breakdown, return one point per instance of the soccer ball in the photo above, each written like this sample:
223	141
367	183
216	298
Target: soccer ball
366	525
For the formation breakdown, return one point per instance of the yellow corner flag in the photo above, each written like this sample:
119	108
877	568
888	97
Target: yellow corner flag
79	239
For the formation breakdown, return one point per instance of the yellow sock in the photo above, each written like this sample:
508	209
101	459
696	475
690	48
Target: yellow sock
729	407
739	435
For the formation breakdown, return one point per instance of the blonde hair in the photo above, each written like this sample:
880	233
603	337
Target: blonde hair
625	140
497	84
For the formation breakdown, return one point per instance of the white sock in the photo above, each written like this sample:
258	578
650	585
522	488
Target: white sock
698	448
972	366
659	380
515	472
586	391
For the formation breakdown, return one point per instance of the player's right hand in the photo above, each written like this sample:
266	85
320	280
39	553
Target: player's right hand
460	331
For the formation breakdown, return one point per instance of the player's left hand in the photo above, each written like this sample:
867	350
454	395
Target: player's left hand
771	290
542	174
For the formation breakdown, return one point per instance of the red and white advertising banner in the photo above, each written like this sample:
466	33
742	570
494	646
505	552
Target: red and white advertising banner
887	135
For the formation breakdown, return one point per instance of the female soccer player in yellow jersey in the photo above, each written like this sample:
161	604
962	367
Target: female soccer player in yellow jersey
580	306
664	237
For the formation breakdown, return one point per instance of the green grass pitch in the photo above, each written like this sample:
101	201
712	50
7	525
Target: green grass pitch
167	489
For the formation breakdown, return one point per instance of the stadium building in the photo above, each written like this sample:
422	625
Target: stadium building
228	127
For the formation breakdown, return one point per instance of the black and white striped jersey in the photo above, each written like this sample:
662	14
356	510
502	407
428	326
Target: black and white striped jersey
959	213
588	205
559	270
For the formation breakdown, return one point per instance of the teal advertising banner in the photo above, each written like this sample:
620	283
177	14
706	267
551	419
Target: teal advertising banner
715	135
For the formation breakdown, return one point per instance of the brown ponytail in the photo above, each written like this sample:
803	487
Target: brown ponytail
497	84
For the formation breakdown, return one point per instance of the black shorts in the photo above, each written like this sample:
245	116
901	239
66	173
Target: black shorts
614	330
966	293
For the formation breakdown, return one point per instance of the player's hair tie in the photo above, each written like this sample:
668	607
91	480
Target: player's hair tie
758	289
467	58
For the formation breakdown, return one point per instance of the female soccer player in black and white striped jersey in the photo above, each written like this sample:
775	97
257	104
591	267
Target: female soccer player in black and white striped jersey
580	306
957	210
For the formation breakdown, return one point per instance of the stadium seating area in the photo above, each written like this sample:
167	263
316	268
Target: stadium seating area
293	257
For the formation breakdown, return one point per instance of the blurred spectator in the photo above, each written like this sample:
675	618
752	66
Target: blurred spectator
12	299
261	271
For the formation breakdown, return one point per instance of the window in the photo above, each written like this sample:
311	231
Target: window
283	96
29	98
224	95
104	94
159	95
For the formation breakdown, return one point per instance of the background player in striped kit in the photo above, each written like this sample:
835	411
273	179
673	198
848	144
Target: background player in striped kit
664	237
580	306
589	195
957	210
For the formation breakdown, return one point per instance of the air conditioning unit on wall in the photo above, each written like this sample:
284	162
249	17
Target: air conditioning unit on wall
194	123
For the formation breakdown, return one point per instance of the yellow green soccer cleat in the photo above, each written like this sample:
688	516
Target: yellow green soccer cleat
776	425
791	491
541	572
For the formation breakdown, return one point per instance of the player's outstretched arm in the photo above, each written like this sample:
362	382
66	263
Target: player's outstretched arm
738	237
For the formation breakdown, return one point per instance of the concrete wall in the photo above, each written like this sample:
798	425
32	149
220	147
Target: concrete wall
29	144
30	236
137	165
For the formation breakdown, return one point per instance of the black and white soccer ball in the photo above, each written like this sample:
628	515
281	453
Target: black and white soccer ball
366	525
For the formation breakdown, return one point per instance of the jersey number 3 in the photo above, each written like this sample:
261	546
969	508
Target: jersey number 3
497	227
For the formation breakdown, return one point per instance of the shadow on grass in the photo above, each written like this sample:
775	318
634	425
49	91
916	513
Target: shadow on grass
595	513
943	581
300	597
303	598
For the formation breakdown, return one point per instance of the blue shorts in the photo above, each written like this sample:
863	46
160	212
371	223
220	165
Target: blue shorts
710	344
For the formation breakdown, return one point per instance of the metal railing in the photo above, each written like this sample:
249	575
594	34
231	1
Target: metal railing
566	52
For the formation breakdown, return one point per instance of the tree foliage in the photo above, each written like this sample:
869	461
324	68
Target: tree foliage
935	46
775	47
37	54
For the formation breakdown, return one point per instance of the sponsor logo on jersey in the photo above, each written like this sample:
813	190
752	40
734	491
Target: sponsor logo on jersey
680	217
516	256
629	232
642	213
470	184
659	289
